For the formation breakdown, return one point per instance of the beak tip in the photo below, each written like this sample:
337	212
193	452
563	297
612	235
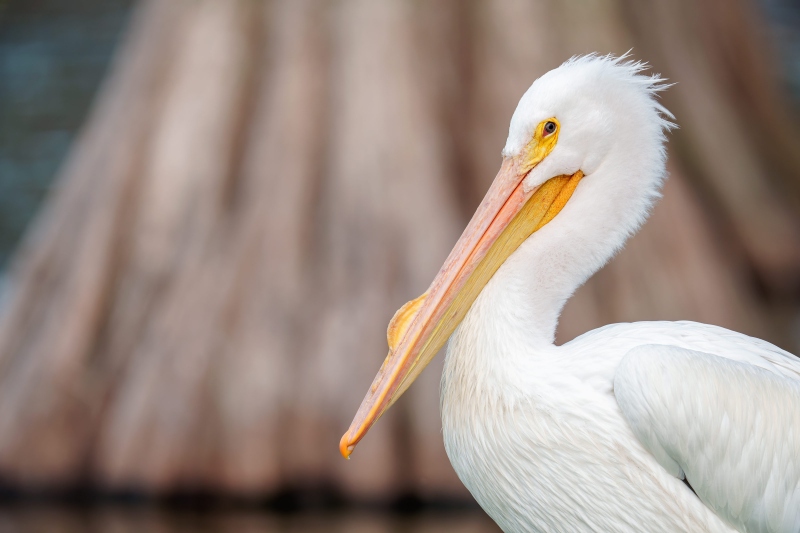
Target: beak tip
345	447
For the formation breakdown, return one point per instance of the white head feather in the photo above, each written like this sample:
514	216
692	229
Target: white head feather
612	128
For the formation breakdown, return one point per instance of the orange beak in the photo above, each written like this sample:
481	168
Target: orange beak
506	217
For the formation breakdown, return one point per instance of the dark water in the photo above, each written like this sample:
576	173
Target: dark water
783	17
53	57
44	519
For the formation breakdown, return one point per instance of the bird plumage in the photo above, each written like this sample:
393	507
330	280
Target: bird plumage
542	443
728	425
536	431
598	434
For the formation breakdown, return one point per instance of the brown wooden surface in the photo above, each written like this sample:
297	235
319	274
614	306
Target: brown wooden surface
203	300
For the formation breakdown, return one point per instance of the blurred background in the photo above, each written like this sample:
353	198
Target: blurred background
210	210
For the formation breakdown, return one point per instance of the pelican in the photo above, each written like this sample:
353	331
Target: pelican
649	426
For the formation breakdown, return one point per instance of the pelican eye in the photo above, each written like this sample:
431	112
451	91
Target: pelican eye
549	127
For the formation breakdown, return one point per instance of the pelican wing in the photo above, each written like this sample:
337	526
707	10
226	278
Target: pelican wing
731	428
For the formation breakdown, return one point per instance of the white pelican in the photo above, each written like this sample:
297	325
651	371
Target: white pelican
650	426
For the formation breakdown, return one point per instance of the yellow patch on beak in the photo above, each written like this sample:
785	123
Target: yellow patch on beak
402	320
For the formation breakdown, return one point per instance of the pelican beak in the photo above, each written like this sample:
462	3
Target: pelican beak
507	216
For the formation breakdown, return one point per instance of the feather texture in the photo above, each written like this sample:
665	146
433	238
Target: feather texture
535	431
731	426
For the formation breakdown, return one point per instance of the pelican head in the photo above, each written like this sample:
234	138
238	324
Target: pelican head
583	164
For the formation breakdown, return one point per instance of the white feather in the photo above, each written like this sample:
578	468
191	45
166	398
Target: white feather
534	430
728	424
